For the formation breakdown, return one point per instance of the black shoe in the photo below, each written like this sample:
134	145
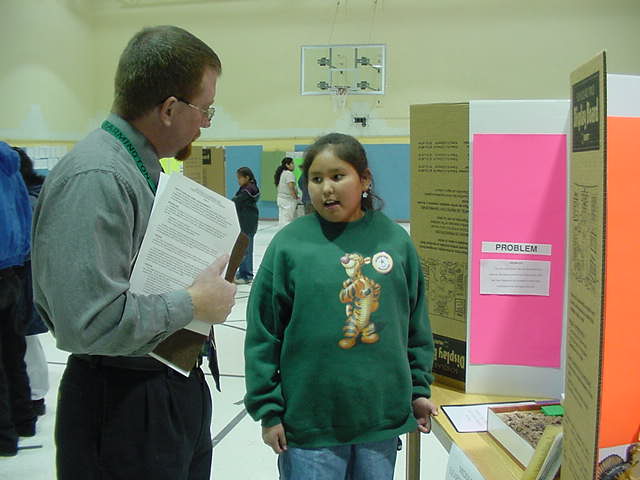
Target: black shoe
26	430
6	451
39	407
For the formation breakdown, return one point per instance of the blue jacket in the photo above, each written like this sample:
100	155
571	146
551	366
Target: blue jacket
15	211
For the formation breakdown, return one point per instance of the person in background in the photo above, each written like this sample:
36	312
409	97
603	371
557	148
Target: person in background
121	413
37	367
305	198
338	349
246	199
17	418
287	197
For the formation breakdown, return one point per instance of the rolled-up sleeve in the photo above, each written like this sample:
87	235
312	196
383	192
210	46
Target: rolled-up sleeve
83	252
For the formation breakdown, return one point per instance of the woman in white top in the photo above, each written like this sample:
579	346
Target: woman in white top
287	193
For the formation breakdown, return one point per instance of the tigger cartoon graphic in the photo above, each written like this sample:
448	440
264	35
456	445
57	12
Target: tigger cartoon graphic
361	294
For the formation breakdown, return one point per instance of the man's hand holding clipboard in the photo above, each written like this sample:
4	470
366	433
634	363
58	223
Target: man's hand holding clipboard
213	299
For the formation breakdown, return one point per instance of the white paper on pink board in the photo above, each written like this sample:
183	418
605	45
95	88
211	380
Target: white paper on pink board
514	277
519	194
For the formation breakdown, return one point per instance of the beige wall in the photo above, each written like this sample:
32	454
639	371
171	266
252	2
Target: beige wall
438	50
45	71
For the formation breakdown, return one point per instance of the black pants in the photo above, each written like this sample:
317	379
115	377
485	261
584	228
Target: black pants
16	411
122	424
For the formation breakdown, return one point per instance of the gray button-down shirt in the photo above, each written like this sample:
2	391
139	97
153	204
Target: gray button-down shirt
88	226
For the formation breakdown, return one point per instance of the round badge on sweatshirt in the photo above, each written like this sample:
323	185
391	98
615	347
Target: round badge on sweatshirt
382	262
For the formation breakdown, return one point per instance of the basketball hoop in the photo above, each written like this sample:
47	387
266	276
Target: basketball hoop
340	98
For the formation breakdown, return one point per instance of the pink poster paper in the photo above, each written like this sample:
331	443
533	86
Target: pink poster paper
519	196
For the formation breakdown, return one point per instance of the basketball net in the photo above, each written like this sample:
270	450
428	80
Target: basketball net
340	98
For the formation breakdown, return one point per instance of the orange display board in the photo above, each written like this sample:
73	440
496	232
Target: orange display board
620	387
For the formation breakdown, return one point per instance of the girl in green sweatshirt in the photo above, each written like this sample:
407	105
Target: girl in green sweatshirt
339	349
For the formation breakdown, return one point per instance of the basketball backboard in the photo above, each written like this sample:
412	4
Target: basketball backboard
326	68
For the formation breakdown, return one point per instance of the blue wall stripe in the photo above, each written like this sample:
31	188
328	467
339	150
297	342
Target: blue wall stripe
247	156
241	156
389	164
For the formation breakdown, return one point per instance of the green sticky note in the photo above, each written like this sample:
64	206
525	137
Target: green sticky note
553	410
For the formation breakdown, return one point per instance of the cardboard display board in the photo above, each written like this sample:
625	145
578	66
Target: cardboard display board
441	213
439	226
214	172
206	166
603	382
192	166
586	269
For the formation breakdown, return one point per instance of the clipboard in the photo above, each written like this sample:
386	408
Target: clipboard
181	349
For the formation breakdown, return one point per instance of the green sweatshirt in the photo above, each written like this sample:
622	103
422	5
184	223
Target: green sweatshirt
338	339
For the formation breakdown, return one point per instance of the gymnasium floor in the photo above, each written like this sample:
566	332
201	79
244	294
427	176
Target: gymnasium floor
239	453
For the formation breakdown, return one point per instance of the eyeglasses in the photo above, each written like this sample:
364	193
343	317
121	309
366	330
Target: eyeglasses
208	112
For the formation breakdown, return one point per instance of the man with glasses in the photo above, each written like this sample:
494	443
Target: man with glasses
122	414
209	112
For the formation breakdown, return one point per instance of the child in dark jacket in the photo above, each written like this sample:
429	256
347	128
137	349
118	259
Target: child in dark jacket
246	199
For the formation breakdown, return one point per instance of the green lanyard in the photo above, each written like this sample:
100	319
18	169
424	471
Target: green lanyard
109	127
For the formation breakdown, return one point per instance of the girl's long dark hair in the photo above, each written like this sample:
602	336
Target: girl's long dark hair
246	172
285	161
29	175
350	150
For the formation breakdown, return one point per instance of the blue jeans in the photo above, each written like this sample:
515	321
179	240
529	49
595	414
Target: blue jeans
363	461
245	270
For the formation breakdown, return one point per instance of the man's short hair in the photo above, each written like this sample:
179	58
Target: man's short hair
159	62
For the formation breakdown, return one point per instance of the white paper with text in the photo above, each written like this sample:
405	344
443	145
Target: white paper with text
515	277
459	467
473	418
190	226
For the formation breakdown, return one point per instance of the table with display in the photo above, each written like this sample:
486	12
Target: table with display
491	460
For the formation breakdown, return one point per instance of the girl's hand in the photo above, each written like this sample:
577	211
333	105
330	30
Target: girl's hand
423	410
275	438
